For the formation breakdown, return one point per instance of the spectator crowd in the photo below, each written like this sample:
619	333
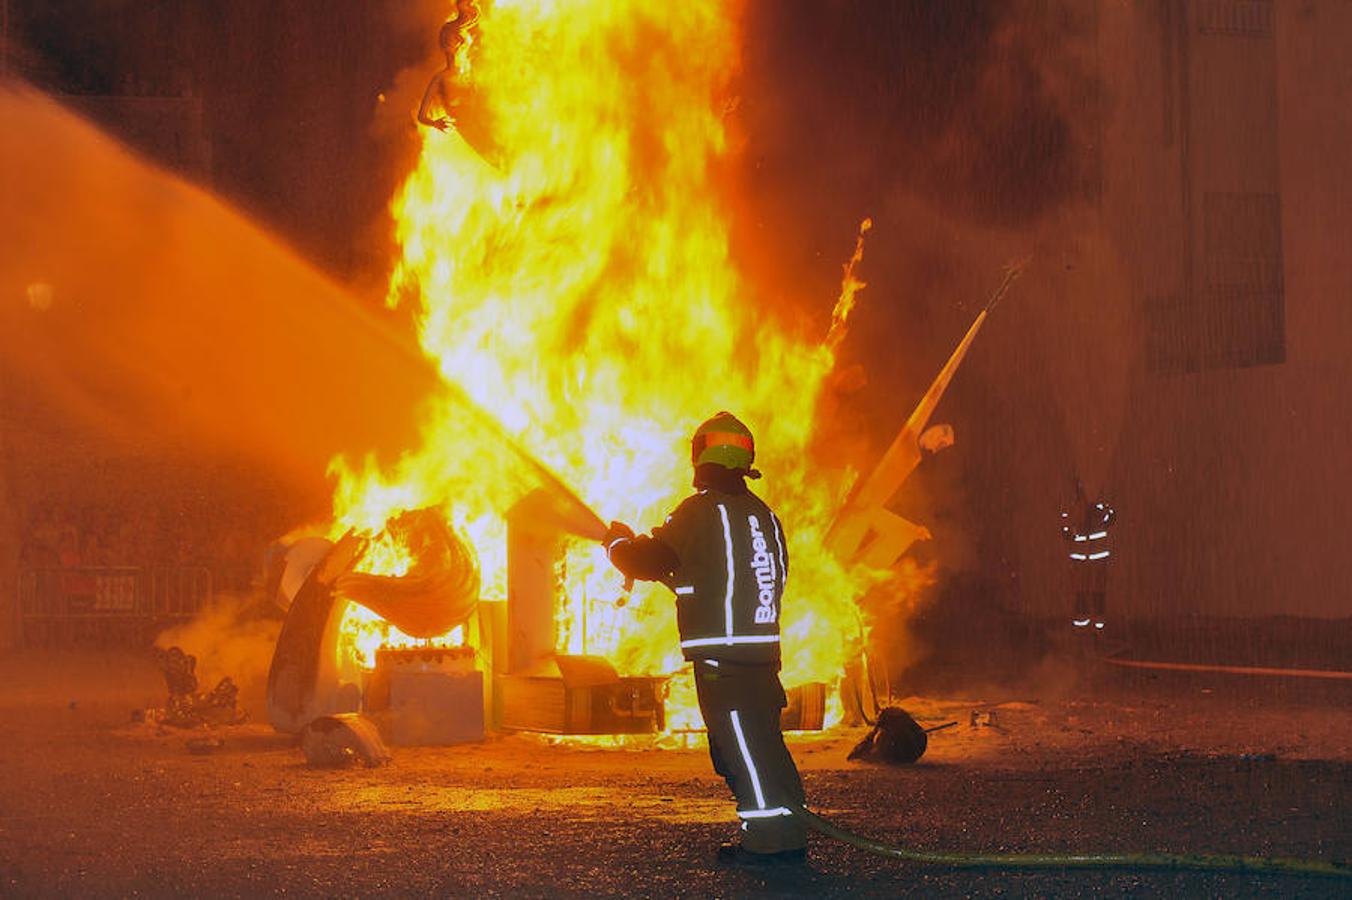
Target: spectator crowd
85	535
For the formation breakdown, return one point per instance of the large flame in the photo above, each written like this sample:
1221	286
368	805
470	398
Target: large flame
581	291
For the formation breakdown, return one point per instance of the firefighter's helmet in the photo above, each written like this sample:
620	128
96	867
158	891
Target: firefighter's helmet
725	440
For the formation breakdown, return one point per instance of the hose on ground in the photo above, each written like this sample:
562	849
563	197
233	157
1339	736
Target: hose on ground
1176	861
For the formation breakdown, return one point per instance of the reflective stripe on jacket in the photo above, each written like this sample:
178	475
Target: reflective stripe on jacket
730	581
1087	535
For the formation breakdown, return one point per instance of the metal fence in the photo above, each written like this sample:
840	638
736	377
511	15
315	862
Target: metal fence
107	604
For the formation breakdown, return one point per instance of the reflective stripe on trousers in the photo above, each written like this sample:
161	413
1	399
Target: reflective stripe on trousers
741	707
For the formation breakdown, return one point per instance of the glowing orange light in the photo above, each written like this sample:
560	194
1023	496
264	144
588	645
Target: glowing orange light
581	291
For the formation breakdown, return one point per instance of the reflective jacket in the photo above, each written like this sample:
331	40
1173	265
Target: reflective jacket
1086	534
730	578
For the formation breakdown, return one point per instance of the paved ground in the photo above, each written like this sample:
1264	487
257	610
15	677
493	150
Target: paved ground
92	805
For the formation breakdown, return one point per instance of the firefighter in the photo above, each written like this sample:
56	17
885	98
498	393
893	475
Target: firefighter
1086	536
722	553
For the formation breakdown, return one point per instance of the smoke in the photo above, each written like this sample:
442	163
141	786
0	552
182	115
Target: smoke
393	120
969	131
972	133
1020	143
233	637
394	133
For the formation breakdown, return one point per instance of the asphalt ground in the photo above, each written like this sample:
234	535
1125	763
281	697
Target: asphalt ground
94	805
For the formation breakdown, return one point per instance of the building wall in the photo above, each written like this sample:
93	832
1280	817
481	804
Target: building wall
9	542
1228	198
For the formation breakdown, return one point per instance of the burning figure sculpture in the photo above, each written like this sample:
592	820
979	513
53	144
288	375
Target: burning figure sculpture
722	552
447	86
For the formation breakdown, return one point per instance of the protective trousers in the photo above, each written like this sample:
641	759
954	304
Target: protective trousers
1091	590
741	707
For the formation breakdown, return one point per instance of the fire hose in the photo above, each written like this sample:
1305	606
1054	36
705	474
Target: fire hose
1259	865
975	860
1167	861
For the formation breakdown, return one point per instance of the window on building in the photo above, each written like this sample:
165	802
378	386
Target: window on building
1252	18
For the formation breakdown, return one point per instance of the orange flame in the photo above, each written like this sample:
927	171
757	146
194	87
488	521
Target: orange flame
850	285
582	292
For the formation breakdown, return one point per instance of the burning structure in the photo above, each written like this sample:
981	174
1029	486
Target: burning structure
584	297
582	308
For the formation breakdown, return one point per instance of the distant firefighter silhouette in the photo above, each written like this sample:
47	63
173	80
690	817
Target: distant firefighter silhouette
1085	530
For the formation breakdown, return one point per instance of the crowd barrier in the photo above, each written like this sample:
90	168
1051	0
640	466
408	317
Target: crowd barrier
107	604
